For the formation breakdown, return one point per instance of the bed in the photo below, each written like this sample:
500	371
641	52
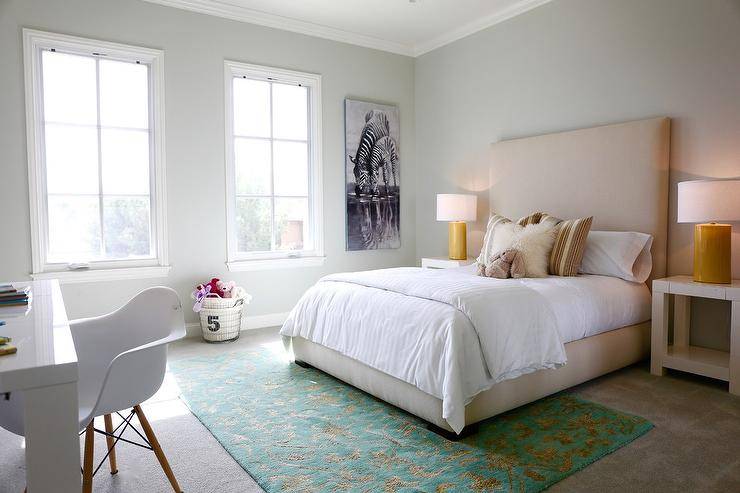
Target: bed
440	344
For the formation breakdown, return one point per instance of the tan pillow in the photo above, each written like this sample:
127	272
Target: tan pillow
570	243
551	220
533	218
485	252
537	218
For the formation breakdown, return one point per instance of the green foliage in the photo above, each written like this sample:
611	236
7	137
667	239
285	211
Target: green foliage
253	224
126	227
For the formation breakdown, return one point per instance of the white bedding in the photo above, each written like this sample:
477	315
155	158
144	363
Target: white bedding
453	334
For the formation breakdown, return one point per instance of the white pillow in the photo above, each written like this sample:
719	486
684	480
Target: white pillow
618	254
533	241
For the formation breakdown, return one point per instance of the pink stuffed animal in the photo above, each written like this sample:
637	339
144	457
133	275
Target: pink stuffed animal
215	289
222	289
227	288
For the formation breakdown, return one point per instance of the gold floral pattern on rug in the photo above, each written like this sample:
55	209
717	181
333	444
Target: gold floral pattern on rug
300	430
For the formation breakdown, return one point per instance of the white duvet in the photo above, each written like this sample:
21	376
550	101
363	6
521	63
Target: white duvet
453	334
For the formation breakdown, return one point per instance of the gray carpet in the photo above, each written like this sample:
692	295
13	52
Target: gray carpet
695	445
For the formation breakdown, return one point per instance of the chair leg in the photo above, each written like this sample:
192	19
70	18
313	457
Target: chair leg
111	444
157	448
87	468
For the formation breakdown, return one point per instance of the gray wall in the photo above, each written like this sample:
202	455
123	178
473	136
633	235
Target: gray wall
195	47
567	64
578	63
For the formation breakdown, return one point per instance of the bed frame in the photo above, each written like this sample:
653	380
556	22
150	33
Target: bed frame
618	174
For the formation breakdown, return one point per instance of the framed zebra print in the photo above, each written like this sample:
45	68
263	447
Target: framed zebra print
372	175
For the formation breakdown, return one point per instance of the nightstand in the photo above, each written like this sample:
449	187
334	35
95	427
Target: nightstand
681	355
444	263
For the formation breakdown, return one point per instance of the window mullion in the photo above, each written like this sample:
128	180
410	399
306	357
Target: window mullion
154	225
100	160
41	164
309	170
90	125
233	235
272	179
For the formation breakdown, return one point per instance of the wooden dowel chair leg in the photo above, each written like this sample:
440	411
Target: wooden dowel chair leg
111	444
157	448
87	468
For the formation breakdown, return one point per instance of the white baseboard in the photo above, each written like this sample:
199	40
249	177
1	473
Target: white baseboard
248	323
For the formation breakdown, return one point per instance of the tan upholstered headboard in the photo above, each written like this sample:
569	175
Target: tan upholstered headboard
616	173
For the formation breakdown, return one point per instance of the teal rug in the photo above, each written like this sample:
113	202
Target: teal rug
296	429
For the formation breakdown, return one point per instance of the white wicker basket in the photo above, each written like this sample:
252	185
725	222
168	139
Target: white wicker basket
221	318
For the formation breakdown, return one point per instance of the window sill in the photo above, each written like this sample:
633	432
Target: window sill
93	275
274	263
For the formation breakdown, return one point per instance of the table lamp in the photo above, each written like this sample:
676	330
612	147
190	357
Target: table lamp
707	201
456	209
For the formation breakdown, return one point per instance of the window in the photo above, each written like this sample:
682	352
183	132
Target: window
273	167
95	157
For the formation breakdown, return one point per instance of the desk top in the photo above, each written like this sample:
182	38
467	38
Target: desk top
46	352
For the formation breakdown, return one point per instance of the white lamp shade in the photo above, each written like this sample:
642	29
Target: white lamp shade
708	201
456	207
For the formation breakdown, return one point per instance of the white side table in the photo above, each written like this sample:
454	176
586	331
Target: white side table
681	355
444	263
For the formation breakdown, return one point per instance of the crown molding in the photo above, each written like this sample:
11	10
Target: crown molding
244	14
237	13
513	10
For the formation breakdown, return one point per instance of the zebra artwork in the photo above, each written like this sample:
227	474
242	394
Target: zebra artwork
372	175
384	158
376	128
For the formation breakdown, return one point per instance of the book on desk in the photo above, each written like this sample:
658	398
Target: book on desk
10	299
10	296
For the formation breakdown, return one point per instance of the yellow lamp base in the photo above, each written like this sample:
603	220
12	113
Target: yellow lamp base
712	253
457	241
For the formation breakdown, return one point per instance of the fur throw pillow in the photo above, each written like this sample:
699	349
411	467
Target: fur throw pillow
532	242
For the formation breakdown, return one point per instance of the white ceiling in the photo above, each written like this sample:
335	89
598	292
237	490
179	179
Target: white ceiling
399	26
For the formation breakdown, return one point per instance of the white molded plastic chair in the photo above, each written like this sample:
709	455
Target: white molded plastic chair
122	358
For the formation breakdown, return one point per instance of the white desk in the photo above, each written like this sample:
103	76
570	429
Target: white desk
45	370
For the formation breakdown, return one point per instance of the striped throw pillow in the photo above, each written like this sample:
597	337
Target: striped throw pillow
551	220
533	218
485	251
570	243
537	218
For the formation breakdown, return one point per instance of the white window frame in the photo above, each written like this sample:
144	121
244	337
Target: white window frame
34	43
240	261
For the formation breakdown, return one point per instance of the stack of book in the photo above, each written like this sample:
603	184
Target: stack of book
10	296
